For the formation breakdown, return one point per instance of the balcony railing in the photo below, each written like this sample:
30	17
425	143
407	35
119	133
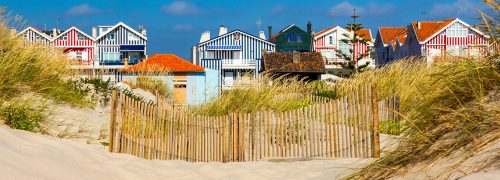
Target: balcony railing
238	63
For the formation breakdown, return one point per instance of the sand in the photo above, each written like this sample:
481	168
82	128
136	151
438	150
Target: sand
25	155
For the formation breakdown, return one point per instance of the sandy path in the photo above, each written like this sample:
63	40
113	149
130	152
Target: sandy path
25	155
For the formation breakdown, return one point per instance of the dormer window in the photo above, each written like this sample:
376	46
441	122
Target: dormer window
112	36
456	30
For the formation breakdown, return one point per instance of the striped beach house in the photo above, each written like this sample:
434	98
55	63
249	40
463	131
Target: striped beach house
233	54
32	34
118	46
435	39
328	40
76	44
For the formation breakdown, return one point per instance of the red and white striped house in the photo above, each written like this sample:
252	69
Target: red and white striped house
78	45
329	40
436	39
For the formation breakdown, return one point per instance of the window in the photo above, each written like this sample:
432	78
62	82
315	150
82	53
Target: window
299	38
79	56
64	37
344	48
291	37
330	40
112	36
456	30
81	37
210	54
457	50
132	37
111	56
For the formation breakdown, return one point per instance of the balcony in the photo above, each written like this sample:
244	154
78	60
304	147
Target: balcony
238	63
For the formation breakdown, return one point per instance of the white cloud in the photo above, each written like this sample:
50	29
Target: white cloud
181	8
345	9
83	9
455	9
278	9
182	27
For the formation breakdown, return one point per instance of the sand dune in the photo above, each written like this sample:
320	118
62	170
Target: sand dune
25	155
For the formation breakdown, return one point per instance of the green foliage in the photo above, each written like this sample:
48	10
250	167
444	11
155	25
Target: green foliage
320	88
102	89
24	117
391	127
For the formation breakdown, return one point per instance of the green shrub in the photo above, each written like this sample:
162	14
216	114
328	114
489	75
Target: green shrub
391	127
24	117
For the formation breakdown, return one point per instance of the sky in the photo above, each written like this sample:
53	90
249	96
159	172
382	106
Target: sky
176	26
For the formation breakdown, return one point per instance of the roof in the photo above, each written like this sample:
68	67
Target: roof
36	31
389	34
164	62
73	28
283	30
282	62
430	28
365	34
232	32
324	31
124	25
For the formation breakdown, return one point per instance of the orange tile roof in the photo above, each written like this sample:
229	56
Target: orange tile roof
429	28
365	34
164	62
389	34
324	30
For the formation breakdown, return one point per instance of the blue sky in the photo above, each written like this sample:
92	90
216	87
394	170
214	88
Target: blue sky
175	26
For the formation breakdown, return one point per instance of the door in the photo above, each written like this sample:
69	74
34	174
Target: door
228	78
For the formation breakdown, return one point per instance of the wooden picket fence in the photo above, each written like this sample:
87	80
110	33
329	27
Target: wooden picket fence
389	109
342	128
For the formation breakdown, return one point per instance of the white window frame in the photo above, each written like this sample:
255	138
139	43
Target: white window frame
80	37
112	36
132	37
64	37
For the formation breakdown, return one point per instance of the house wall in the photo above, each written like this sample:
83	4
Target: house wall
321	44
32	36
106	45
202	87
73	45
284	44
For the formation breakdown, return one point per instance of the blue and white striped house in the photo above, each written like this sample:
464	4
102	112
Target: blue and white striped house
115	43
233	54
32	34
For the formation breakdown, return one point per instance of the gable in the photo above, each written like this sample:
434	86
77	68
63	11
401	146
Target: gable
123	26
74	32
231	39
33	34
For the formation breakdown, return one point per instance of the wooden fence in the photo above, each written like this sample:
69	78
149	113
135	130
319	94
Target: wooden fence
342	128
389	109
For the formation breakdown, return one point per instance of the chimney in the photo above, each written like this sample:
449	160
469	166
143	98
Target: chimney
309	27
262	35
270	32
222	30
54	33
205	36
419	25
143	31
94	32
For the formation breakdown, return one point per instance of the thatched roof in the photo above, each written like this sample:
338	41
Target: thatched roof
283	62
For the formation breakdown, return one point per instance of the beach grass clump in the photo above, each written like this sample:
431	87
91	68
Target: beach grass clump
438	102
25	117
262	93
33	67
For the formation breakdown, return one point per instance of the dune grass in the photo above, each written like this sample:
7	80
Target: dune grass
434	106
263	93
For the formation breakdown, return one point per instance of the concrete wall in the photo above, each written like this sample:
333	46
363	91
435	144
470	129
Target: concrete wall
202	87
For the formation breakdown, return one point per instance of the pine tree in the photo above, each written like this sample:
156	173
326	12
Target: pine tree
353	41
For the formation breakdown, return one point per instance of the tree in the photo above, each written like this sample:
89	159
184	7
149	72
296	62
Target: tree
353	41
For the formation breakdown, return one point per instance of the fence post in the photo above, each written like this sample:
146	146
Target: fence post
376	139
114	103
236	132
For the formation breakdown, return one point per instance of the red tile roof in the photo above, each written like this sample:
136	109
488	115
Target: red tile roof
429	28
389	34
365	34
164	62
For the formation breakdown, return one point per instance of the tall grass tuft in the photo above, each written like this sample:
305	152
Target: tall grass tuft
34	67
438	102
262	93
